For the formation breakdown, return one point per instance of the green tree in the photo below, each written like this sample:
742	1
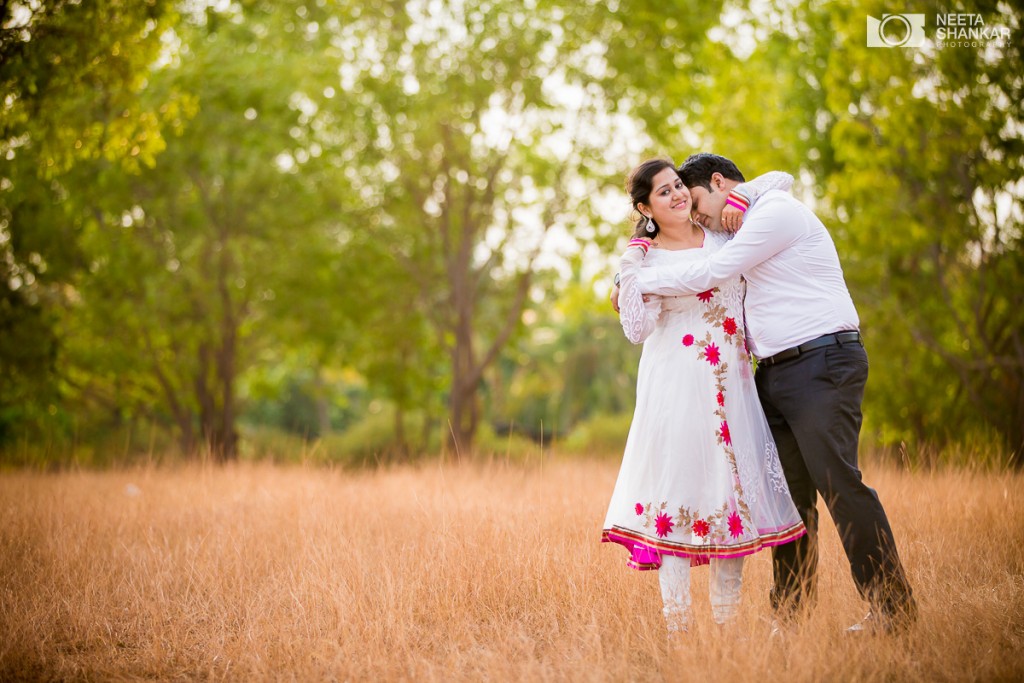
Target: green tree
71	74
913	158
940	238
484	119
192	254
574	364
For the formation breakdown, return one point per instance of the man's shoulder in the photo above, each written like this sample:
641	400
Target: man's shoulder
778	202
781	214
778	198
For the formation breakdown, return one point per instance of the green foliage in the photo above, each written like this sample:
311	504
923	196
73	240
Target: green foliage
475	132
71	73
512	445
575	363
301	400
192	254
914	159
262	443
372	440
28	348
936	246
601	435
279	214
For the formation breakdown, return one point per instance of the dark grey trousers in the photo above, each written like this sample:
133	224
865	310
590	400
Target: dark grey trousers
813	406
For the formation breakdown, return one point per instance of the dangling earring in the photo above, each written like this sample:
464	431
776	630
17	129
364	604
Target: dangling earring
650	225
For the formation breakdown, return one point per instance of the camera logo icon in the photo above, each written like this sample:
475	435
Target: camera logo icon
896	30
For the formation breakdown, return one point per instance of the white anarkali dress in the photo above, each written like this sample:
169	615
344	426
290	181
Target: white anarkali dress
700	476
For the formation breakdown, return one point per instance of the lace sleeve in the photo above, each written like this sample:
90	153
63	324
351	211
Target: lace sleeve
637	317
773	180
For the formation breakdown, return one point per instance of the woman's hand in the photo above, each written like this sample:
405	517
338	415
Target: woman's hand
641	243
732	218
736	204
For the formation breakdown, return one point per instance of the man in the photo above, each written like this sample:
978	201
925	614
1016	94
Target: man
802	326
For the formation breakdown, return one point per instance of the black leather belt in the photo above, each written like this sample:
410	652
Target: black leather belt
839	338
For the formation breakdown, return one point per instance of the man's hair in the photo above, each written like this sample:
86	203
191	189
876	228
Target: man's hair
698	168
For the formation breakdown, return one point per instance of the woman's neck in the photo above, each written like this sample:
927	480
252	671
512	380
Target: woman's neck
672	238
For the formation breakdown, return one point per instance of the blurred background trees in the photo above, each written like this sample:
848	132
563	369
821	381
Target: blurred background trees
383	230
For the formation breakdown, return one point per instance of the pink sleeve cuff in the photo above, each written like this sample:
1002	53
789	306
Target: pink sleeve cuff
737	200
643	244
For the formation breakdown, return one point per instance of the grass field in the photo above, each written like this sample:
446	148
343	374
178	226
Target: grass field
467	572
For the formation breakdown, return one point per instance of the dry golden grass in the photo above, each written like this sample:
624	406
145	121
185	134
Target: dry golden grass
442	572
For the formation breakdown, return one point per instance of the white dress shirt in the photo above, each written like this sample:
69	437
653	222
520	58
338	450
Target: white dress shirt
795	286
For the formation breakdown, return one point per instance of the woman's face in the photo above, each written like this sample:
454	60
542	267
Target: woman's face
669	202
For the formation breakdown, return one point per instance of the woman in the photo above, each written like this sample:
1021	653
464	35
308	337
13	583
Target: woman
700	480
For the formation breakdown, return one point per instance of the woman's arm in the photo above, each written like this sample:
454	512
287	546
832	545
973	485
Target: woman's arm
772	180
638	318
744	195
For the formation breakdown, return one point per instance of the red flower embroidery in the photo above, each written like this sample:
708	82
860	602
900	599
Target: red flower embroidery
639	509
711	353
721	398
688	340
724	431
700	527
663	525
735	525
706	296
729	325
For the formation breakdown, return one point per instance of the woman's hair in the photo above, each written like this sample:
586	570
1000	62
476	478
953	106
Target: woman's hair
639	185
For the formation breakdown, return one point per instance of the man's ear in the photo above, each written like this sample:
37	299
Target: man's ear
717	180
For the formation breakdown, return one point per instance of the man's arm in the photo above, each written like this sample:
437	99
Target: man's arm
766	232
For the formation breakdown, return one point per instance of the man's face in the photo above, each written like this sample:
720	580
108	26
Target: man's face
707	206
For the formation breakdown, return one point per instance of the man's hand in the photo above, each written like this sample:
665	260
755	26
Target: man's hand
614	298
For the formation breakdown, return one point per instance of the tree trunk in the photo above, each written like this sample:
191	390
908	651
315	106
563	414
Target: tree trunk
401	449
217	418
428	423
186	436
221	436
460	402
323	416
225	441
462	412
464	219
